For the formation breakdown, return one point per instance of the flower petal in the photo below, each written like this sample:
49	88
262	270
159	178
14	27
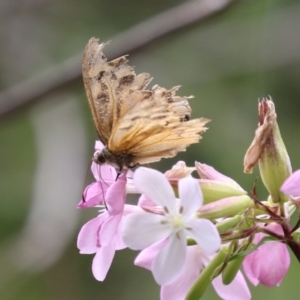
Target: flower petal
208	172
98	145
179	288
93	195
146	256
88	237
103	173
180	170
191	198
292	185
109	229
236	290
169	263
115	196
247	266
119	240
145	202
259	266
155	186
205	234
102	261
143	229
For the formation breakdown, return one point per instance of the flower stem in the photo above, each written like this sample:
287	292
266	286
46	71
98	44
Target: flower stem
201	284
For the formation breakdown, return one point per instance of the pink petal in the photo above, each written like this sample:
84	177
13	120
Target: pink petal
104	173
180	170
119	241
109	229
102	261
292	185
144	201
191	198
143	229
247	266
88	237
93	195
208	172
130	187
115	196
236	290
169	263
129	209
179	288
268	264
146	256
98	145
205	234
155	186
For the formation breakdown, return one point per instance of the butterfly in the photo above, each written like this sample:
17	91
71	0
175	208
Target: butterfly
136	125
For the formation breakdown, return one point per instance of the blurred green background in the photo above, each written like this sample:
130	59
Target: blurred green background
227	62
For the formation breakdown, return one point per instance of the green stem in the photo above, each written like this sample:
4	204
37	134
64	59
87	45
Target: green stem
202	282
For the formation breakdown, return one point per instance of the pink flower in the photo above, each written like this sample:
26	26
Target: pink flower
292	185
105	176
101	235
194	263
94	194
173	226
269	263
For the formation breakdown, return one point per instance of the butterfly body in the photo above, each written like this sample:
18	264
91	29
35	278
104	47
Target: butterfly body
136	125
120	160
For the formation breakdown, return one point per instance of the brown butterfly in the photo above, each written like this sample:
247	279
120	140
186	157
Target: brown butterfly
137	126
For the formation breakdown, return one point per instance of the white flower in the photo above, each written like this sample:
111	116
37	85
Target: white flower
179	221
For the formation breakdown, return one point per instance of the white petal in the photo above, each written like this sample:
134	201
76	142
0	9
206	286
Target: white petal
143	229
155	186
205	234
191	197
169	263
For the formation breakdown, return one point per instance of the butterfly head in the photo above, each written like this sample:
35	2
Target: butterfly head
120	160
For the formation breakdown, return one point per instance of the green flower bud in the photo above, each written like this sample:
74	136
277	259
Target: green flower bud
225	207
214	190
231	270
269	151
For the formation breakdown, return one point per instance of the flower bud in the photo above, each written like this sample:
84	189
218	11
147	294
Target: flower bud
296	235
178	171
225	207
269	151
214	190
208	172
231	270
269	263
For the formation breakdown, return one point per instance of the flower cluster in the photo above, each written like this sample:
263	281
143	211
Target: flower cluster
195	231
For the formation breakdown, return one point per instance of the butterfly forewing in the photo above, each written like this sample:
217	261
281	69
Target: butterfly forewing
136	125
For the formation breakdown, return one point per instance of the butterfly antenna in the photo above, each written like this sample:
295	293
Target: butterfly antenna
118	175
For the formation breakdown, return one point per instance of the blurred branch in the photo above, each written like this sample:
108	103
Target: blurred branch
57	77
